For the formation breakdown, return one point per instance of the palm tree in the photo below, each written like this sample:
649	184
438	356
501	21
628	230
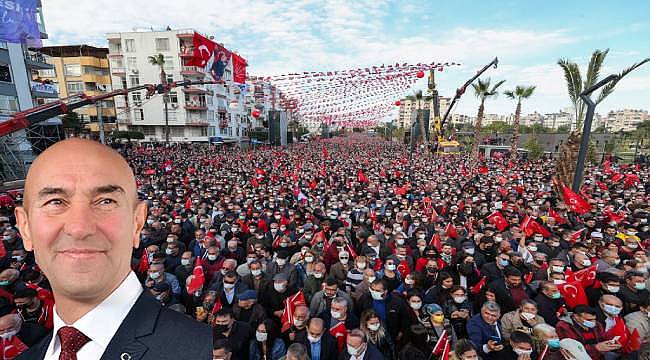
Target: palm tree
419	97
483	91
575	85
159	60
520	93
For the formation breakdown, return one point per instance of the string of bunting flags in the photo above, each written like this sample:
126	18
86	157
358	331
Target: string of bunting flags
349	98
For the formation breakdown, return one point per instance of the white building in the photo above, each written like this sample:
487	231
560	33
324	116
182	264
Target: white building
195	113
624	120
407	106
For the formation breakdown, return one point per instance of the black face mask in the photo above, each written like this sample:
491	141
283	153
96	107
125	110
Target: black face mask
220	329
466	268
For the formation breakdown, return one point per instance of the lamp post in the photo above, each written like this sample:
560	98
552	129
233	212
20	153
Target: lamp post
586	129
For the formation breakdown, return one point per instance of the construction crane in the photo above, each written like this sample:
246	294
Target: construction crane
24	119
444	145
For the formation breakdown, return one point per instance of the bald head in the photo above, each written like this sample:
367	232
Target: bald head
82	219
316	326
71	157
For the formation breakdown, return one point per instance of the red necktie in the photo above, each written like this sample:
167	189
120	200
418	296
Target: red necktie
72	340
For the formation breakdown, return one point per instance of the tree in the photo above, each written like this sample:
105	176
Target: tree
497	127
419	97
562	129
535	150
483	91
519	93
159	60
568	156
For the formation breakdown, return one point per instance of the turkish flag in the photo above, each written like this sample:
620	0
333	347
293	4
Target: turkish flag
361	177
198	278
188	203
239	69
382	173
631	179
498	220
529	226
435	242
150	172
476	289
404	268
573	294
586	276
260	172
483	170
440	345
434	215
502	180
290	304
602	185
617	177
203	49
446	350
340	333
558	219
313	184
143	266
576	235
543	354
254	182
633	342
616	217
450	230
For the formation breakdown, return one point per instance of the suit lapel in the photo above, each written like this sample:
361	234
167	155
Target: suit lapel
139	322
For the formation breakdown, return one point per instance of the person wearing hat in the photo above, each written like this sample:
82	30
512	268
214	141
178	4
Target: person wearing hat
573	349
247	309
162	292
32	309
274	296
281	265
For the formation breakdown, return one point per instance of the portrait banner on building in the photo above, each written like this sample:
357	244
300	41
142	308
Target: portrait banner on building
18	22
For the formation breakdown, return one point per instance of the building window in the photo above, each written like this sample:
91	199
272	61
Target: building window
177	131
72	70
129	45
169	63
132	62
172	115
47	73
139	115
8	103
173	98
162	44
5	73
75	87
148	130
134	80
170	78
137	98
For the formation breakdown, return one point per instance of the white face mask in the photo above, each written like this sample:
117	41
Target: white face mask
352	350
416	305
344	261
298	323
256	272
459	299
260	336
318	275
522	352
376	295
212	257
185	262
371	279
361	266
281	262
309	259
373	327
527	315
335	314
313	339
154	275
279	287
391	267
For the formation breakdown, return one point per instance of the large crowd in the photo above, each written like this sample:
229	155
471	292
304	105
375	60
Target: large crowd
356	248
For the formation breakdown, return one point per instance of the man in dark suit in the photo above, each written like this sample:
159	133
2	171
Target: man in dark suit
359	348
82	218
320	344
484	330
511	290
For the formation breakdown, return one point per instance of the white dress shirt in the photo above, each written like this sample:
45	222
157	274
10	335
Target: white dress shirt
100	323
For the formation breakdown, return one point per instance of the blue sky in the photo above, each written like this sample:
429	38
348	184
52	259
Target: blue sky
312	35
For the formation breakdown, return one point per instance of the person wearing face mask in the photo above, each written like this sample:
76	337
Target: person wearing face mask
494	270
32	309
379	249
340	269
267	345
608	314
355	275
233	251
520	347
376	334
237	333
389	273
185	268
320	344
297	332
440	292
339	320
465	272
633	292
610	284
322	300
362	288
583	327
392	310
228	288
273	297
17	336
162	292
640	320
545	337
257	279
458	310
173	251
247	309
523	319
358	348
281	265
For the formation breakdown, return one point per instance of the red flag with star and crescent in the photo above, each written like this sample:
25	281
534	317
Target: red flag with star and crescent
198	278
290	304
498	220
573	294
576	203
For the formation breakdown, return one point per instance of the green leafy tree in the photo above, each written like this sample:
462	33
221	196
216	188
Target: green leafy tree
519	93
575	86
483	91
535	150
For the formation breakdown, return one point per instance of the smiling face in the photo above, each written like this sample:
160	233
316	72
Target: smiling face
82	218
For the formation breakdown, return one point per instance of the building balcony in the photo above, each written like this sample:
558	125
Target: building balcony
191	70
196	90
196	122
36	60
187	53
41	90
198	107
185	34
118	71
